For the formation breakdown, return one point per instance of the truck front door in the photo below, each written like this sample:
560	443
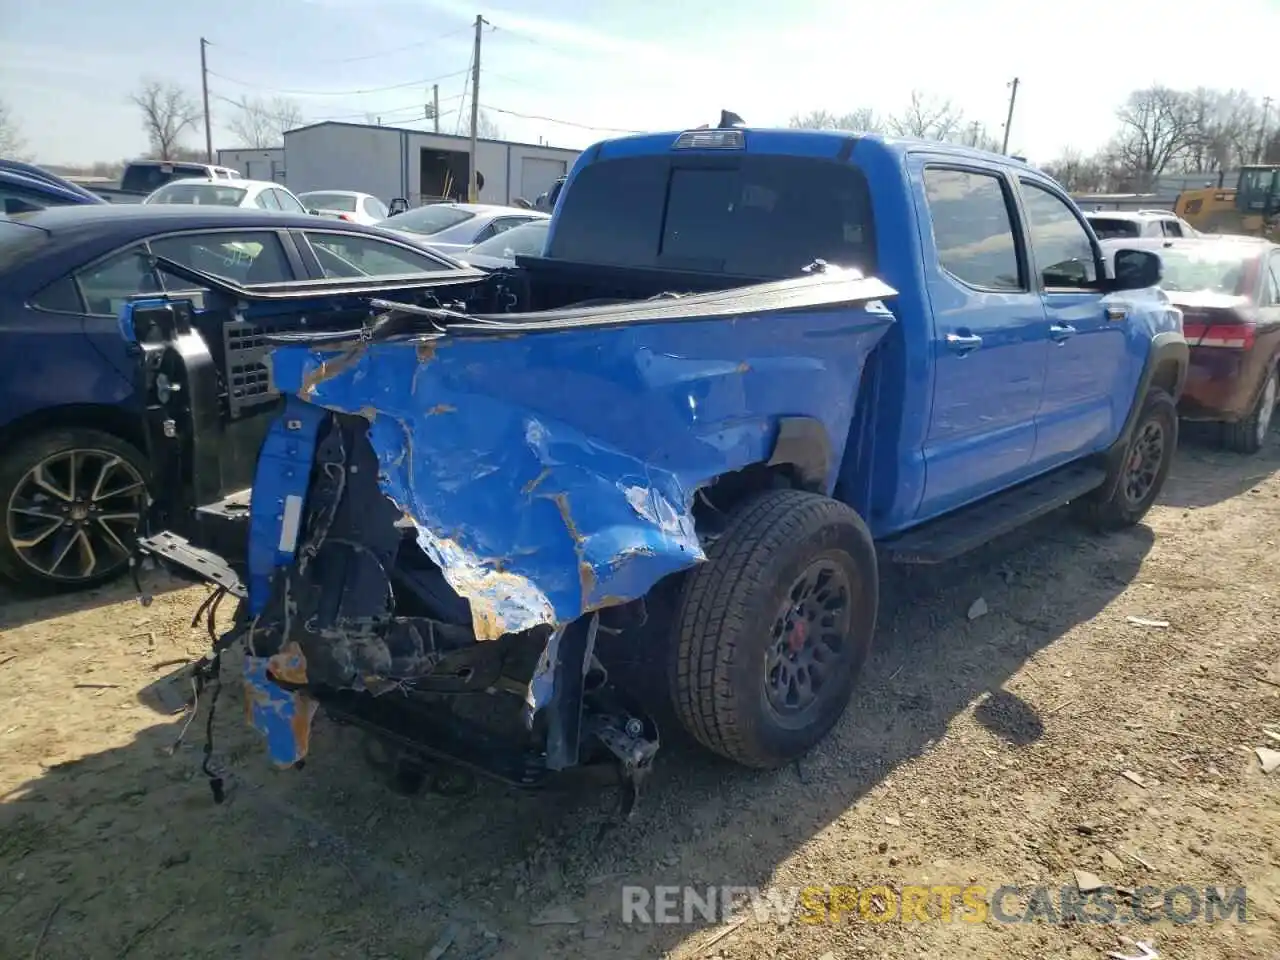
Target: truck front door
989	336
1088	383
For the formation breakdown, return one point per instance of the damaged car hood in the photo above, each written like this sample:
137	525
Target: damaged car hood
550	462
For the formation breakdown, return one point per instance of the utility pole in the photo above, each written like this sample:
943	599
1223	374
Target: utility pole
473	190
204	87
1261	152
1008	123
435	105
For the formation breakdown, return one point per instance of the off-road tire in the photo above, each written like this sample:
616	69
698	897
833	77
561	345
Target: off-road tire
1248	435
1117	511
718	668
17	461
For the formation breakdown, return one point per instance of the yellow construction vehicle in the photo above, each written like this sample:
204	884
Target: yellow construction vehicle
1251	208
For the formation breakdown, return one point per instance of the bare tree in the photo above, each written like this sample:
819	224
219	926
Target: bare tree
487	128
1157	127
1079	173
261	123
1227	125
862	119
977	135
168	112
12	143
927	118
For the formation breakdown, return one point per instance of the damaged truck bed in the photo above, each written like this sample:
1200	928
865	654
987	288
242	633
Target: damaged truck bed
450	504
510	519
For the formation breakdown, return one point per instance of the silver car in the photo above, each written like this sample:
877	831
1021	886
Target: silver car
452	228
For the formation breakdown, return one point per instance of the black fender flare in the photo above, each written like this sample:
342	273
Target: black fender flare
1170	346
802	443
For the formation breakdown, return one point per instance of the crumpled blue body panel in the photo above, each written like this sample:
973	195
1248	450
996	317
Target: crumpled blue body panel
551	473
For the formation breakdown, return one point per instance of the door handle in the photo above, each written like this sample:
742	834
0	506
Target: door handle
963	343
1061	332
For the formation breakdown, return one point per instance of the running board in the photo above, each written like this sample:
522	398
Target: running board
972	526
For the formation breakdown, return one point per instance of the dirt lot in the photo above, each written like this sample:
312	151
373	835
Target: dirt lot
988	751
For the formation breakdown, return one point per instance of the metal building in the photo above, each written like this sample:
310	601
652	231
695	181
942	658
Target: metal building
418	165
259	164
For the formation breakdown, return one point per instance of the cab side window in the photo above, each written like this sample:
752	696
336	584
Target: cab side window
108	285
973	228
1063	252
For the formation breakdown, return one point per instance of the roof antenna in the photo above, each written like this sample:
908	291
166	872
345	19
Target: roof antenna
730	119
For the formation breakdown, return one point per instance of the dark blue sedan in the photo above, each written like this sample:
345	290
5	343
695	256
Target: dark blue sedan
73	471
25	187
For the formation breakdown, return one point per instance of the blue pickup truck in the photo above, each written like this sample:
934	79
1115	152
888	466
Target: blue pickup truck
750	366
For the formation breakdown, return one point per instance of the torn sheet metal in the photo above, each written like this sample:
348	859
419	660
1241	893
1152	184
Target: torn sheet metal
283	717
550	468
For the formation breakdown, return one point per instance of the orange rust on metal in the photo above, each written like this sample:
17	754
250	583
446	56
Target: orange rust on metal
586	575
289	665
533	484
304	712
369	413
329	368
744	367
426	350
441	408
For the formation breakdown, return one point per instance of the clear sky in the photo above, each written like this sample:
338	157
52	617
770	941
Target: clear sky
67	66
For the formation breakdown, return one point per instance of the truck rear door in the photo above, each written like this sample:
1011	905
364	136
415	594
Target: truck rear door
989	333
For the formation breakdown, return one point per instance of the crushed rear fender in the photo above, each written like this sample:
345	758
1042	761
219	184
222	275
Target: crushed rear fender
550	461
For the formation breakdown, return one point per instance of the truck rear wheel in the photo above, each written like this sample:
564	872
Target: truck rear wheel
1138	477
774	628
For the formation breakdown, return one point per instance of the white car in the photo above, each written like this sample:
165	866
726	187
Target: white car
345	205
228	193
501	251
453	228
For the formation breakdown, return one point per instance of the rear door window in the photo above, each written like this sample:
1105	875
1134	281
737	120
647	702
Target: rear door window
356	255
756	216
973	228
246	257
108	285
287	201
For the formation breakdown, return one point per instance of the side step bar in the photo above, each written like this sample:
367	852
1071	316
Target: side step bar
972	526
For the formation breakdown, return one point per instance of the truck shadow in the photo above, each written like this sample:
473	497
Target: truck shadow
1205	474
328	862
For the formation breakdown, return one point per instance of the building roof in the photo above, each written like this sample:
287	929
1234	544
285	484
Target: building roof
428	133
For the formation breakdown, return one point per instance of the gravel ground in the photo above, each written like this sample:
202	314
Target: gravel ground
1050	735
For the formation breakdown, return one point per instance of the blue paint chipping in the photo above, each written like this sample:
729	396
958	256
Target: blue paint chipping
551	473
276	713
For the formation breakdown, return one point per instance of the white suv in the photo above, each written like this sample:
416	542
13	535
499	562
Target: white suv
1124	224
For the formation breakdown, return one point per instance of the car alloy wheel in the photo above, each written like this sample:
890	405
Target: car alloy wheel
73	516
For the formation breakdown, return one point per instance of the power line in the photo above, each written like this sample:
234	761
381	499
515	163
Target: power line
339	93
365	56
418	108
565	123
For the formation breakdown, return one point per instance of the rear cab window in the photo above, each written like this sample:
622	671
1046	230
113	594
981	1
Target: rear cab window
756	216
971	214
147	177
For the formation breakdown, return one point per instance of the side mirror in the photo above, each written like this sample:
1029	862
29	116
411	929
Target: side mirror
398	205
14	205
1137	270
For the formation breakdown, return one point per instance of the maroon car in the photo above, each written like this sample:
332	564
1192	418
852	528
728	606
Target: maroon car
1228	289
